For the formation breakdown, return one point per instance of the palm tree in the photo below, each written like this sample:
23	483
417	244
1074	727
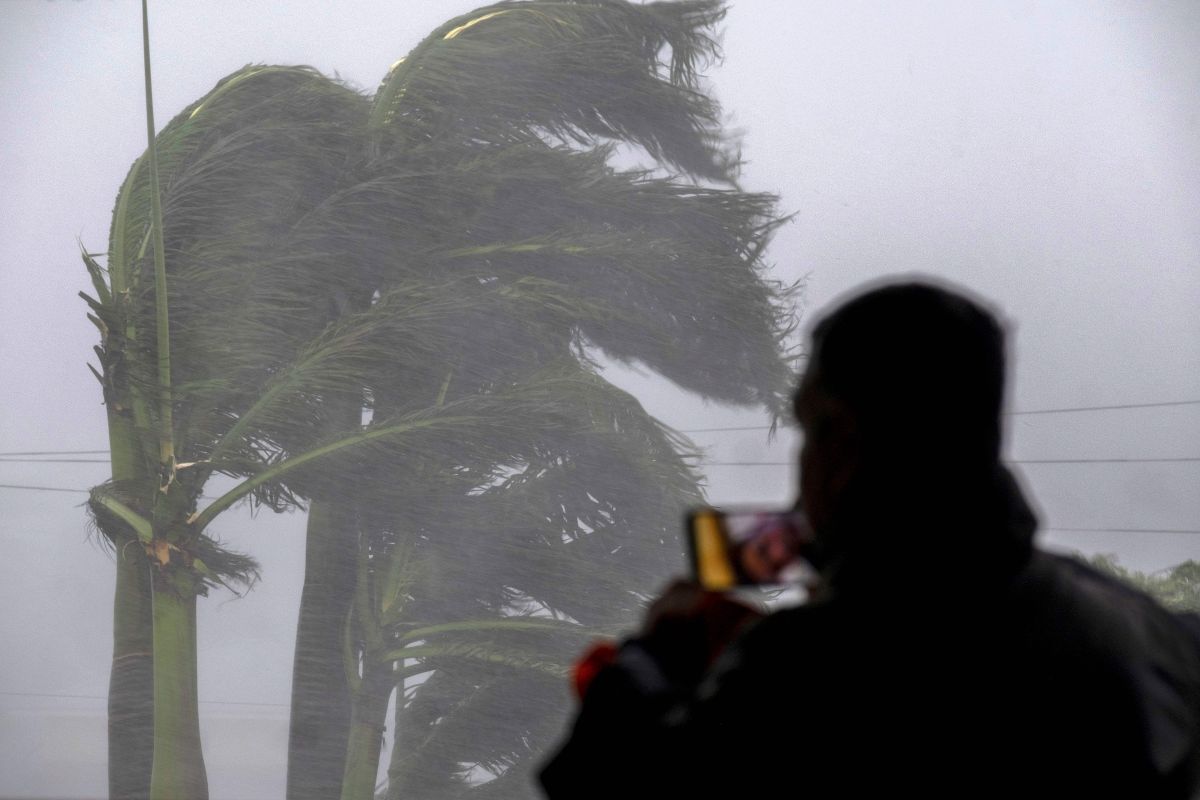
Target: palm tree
560	249
440	260
198	306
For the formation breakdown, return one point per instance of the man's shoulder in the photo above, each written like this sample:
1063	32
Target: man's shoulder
1054	603
1137	653
1104	637
1081	597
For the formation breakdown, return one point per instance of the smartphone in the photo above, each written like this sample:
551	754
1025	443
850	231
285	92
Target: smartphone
729	548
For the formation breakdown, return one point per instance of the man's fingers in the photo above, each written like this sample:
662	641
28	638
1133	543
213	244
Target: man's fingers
681	599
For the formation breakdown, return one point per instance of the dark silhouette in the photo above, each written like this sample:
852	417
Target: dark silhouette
943	654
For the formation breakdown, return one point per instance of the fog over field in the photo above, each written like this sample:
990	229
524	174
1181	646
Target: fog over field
1044	155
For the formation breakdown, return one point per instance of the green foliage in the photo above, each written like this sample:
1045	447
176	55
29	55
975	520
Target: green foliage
1177	588
576	71
237	169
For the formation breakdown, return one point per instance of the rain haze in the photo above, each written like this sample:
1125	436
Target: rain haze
1043	155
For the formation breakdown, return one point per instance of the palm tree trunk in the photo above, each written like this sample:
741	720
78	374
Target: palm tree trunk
366	731
395	773
320	723
413	771
321	703
178	772
131	683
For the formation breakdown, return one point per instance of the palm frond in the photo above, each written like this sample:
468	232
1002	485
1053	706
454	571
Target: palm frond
419	767
506	643
577	71
668	274
491	719
238	166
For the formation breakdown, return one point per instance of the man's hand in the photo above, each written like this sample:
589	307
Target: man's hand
688	627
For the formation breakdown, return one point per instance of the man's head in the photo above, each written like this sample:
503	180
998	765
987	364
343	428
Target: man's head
901	399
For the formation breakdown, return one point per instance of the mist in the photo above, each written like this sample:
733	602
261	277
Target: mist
1042	155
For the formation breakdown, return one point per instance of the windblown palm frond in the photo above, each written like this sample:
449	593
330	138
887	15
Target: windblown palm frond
620	246
476	435
238	167
583	477
682	264
577	71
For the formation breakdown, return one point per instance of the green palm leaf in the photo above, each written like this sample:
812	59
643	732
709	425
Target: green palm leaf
576	71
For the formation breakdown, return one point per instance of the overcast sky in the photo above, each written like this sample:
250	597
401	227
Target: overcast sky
1046	155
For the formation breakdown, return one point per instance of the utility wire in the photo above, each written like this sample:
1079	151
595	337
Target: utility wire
65	489
4	456
1184	460
1007	413
1007	461
43	488
734	428
57	453
1181	459
1106	408
4	459
1103	460
1057	530
1121	530
101	697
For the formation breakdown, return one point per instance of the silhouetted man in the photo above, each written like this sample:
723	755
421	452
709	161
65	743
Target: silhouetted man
943	655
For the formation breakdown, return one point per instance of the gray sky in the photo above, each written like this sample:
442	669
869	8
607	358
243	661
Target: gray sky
1044	154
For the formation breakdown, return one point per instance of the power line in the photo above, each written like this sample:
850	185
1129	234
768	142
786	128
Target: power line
734	428
1007	413
1184	460
57	453
1007	461
102	697
1121	530
43	488
1066	410
722	463
1106	408
1057	530
53	460
1103	460
71	491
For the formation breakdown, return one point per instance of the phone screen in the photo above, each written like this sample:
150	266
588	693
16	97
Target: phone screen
749	547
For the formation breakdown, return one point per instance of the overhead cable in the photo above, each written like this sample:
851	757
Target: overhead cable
1065	410
723	429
